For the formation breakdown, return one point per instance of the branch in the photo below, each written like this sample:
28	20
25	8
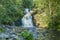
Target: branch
50	7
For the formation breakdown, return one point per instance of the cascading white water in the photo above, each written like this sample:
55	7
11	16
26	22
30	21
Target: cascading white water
27	22
27	19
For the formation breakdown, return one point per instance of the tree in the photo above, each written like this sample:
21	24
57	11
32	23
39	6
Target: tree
27	3
10	11
55	17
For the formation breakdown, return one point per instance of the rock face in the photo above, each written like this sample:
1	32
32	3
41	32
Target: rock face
40	20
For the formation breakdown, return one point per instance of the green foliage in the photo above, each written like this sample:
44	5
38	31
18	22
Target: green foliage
41	3
2	30
55	17
55	22
27	35
27	3
10	11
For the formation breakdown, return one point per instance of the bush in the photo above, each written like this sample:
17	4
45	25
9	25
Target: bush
26	35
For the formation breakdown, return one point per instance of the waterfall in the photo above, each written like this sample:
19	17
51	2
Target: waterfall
10	33
27	22
27	19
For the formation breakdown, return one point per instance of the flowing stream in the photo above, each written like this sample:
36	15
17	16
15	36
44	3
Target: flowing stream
28	23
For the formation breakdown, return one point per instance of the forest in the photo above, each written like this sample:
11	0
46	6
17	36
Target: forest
29	19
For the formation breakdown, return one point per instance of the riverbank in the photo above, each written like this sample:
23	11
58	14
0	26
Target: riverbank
14	33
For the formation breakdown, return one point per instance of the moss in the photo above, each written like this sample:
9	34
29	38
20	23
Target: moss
2	30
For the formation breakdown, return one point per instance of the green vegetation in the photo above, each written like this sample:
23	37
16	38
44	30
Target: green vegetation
48	11
10	11
27	3
2	30
27	35
55	15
